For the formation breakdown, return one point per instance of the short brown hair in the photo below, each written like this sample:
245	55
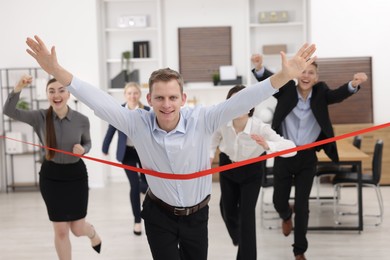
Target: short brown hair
165	75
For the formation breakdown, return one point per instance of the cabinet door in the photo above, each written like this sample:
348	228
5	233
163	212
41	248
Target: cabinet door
129	26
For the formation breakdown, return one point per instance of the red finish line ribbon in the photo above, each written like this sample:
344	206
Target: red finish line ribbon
179	176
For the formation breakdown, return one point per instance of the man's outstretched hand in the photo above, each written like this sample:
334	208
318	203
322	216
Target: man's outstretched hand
47	60
292	68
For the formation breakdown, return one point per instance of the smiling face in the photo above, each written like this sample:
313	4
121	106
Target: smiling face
308	79
132	95
58	96
166	100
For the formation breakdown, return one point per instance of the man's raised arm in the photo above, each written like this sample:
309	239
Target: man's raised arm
48	60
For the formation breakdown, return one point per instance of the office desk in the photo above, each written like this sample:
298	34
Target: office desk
348	155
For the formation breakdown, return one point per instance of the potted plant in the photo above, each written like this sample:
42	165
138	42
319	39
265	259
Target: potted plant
125	61
22	104
216	78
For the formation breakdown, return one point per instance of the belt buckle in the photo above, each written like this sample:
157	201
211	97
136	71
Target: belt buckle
178	211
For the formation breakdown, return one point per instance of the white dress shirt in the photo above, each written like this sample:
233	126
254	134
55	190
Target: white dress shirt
184	150
240	146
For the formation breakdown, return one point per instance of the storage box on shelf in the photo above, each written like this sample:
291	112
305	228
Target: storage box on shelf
129	26
275	26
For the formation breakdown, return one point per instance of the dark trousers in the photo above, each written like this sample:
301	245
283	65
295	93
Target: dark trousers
299	171
240	189
137	183
174	237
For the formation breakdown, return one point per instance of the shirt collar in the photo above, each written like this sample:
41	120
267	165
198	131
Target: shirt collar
308	96
68	116
130	108
181	126
248	126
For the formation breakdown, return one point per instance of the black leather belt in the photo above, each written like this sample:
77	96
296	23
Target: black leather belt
178	211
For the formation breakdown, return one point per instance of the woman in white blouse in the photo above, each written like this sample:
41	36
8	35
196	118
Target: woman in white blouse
244	137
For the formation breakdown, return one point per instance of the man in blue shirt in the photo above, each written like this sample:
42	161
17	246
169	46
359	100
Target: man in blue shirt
172	139
301	115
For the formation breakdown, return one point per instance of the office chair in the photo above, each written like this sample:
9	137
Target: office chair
323	171
370	180
267	211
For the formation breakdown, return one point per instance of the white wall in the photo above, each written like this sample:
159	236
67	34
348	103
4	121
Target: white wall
339	28
70	26
179	13
357	28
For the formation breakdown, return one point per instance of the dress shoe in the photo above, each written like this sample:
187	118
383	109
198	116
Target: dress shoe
137	229
300	257
287	226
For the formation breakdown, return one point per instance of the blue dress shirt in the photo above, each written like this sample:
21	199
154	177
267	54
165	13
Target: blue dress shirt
184	150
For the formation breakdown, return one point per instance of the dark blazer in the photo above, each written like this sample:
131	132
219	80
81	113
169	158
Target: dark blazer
122	138
322	96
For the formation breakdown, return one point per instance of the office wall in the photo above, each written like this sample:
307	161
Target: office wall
356	28
339	28
70	26
179	13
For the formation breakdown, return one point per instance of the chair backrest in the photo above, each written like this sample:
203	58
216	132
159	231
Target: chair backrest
377	161
357	141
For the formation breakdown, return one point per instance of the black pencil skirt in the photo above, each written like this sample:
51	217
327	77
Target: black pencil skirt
64	188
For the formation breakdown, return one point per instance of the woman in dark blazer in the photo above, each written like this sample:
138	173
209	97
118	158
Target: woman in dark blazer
302	115
127	155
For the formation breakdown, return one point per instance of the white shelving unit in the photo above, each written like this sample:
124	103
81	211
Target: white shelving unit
293	33
197	93
115	39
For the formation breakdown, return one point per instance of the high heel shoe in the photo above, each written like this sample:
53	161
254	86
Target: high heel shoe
137	229
99	245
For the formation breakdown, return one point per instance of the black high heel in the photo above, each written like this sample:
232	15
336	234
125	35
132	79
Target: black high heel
98	246
137	229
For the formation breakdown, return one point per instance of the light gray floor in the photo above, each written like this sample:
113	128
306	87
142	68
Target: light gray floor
26	233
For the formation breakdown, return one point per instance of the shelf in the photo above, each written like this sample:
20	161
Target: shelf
292	33
267	25
23	185
19	170
133	60
115	40
120	90
139	29
23	153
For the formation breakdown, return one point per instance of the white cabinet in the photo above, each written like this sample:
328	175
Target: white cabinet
292	33
123	22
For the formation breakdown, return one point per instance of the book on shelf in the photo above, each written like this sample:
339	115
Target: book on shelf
141	49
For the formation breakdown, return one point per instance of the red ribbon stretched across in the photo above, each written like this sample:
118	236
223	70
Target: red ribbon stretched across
178	176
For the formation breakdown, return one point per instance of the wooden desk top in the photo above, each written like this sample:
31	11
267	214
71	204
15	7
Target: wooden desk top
347	152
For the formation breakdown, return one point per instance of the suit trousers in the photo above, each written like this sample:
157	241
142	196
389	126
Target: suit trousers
298	170
175	237
137	183
240	189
